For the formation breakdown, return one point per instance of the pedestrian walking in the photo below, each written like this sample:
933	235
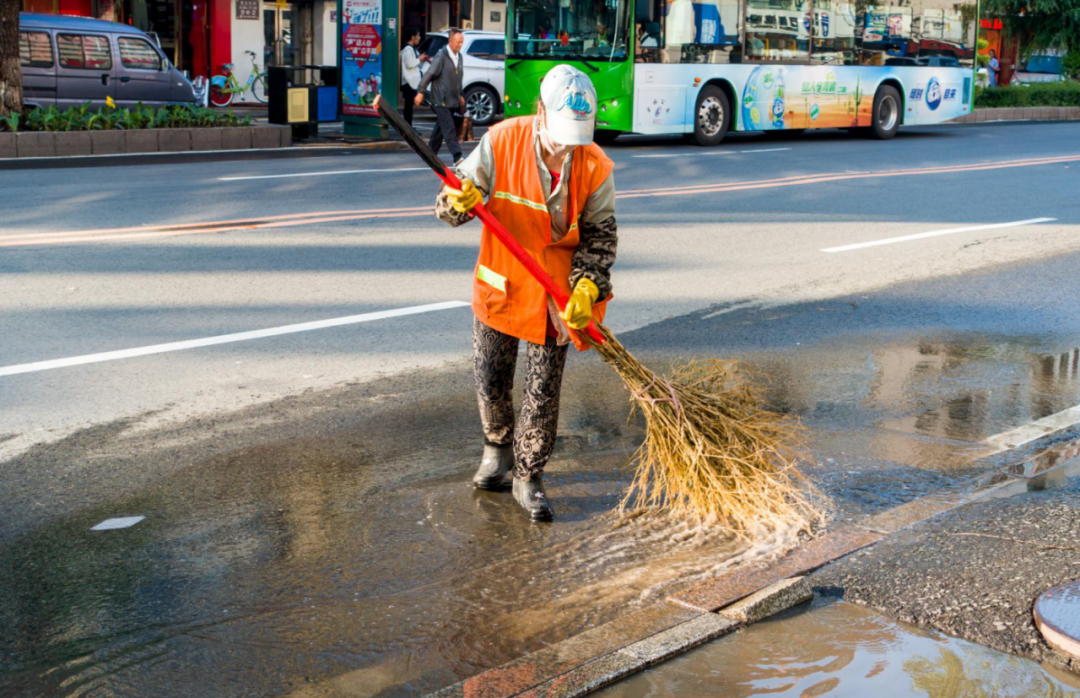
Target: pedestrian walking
546	181
444	77
410	70
993	68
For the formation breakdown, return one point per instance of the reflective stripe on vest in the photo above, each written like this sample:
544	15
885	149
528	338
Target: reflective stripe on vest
518	200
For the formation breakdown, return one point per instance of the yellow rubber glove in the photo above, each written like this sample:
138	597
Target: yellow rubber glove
465	199
578	312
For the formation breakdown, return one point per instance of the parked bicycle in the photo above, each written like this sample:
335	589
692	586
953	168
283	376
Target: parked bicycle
224	88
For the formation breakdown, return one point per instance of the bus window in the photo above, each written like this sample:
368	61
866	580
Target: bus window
881	32
834	32
942	34
700	31
593	31
777	30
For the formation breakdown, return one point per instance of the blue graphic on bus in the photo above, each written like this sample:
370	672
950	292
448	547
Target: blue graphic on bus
933	94
763	105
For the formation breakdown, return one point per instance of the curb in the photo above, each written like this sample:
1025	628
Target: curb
168	158
708	610
985	115
541	675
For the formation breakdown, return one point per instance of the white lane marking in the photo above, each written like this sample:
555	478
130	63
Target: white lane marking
122	522
225	338
1033	430
321	174
935	233
716	152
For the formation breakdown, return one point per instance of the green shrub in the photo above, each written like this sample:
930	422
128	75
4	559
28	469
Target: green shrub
1040	94
1071	64
138	117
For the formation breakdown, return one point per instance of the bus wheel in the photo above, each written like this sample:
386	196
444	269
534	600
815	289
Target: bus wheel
711	116
605	136
886	118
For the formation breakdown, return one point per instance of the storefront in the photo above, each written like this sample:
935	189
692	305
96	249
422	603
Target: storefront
200	36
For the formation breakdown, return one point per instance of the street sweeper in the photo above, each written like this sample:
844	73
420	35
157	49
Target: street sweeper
546	181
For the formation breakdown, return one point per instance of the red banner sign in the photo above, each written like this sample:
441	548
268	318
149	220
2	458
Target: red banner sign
362	41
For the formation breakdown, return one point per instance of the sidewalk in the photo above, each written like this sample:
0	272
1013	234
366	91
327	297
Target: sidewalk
975	572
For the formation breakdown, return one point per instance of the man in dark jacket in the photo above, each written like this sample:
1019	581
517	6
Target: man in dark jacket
444	77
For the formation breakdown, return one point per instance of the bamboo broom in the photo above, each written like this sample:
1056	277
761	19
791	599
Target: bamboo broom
710	453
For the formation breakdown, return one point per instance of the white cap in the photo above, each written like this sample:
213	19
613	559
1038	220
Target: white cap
569	104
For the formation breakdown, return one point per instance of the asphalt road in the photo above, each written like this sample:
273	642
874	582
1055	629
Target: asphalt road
308	519
744	223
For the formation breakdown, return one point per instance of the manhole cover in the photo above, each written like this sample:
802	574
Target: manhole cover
1057	614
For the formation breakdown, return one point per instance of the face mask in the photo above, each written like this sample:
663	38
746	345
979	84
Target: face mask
549	143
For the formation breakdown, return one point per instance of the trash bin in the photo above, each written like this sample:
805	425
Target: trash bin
303	97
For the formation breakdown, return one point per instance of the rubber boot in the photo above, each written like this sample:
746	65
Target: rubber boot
496	464
530	495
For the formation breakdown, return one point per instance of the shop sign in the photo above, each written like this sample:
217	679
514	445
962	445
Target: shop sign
248	9
996	24
361	47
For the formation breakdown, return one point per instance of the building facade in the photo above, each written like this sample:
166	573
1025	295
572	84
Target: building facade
200	36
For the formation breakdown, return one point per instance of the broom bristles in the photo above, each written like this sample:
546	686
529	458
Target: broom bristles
711	452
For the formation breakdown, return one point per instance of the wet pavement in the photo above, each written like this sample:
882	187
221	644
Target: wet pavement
330	544
838	649
976	572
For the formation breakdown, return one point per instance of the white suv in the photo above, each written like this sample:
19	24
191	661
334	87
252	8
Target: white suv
484	61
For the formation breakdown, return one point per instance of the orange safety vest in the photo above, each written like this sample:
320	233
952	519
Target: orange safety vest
505	296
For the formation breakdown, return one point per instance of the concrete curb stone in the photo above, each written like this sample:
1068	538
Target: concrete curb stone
8	147
102	142
39	144
714	594
1020	114
74	143
236	138
267	136
174	139
769	601
673	641
562	657
586	678
206	138
141	141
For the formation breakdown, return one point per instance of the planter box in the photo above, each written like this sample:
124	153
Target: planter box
141	141
206	138
107	142
238	138
8	148
172	140
268	136
36	145
73	143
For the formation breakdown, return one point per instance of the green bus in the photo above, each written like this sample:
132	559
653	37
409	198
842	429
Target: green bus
706	67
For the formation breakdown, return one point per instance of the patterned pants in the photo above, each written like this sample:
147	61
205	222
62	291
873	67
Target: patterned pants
494	359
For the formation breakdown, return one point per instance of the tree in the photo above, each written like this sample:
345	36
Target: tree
10	72
1039	24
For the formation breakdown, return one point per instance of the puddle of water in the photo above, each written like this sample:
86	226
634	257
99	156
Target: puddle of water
273	568
838	649
364	558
